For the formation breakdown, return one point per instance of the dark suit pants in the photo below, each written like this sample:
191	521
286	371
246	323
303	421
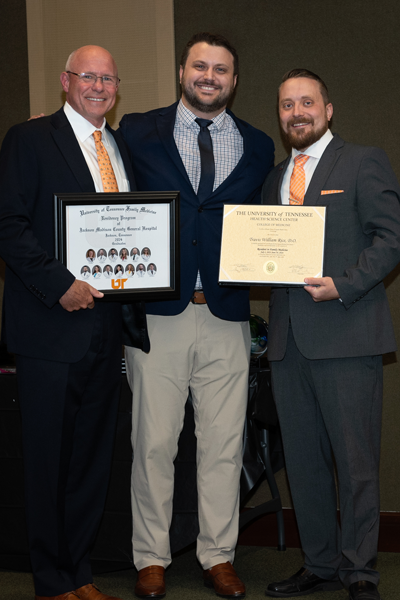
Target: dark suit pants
68	422
326	407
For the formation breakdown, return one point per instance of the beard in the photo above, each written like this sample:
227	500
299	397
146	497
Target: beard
300	140
206	107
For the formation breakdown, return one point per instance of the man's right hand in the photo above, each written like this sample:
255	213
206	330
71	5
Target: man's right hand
79	295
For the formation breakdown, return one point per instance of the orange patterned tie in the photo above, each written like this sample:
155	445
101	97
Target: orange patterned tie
298	180
106	171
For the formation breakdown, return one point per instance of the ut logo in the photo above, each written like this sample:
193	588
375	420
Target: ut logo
118	283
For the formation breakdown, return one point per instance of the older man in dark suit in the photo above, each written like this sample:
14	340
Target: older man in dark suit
68	346
326	342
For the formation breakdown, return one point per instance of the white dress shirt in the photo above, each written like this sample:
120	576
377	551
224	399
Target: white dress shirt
314	152
83	131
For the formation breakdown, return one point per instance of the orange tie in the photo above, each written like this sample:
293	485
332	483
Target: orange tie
298	180
106	171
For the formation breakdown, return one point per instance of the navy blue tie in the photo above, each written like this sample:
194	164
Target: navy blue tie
207	160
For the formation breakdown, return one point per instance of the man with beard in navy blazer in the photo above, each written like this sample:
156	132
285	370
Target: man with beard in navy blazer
67	345
202	340
326	342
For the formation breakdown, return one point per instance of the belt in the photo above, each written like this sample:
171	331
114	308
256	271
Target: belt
198	297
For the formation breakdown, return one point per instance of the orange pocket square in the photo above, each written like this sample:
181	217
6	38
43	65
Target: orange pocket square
325	192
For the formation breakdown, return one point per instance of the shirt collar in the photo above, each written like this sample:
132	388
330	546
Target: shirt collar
187	118
317	149
81	126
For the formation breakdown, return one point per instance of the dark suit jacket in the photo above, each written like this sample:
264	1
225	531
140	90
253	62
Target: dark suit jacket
157	165
40	158
362	246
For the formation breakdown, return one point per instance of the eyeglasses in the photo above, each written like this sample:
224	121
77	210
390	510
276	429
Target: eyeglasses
91	79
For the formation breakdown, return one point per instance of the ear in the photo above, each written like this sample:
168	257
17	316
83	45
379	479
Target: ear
180	74
235	81
64	78
329	111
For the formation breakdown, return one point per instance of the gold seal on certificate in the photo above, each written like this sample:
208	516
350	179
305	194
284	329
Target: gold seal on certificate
276	245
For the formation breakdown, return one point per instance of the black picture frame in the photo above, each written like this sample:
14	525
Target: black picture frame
141	202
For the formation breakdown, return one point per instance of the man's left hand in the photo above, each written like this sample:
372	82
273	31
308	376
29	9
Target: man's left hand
321	288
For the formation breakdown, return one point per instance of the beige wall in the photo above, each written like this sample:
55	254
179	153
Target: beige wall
138	33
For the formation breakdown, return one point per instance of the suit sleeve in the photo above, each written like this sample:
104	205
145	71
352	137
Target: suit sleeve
378	197
20	187
268	160
123	129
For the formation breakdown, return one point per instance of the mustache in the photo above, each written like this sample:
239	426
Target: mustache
208	82
296	120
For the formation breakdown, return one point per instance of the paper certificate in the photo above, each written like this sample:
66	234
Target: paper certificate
279	244
123	244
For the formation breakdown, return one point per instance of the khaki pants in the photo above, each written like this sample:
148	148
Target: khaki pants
211	356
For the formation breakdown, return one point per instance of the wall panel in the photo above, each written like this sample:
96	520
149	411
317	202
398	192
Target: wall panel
139	34
354	47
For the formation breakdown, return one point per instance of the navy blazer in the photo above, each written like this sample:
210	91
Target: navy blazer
362	246
39	158
157	165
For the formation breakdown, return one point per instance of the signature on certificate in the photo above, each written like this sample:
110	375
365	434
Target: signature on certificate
241	268
299	269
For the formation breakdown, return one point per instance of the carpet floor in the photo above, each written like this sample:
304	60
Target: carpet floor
256	566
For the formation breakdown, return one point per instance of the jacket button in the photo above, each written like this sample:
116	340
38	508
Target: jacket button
194	242
200	209
287	290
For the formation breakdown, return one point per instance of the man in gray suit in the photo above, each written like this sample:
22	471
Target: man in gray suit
326	342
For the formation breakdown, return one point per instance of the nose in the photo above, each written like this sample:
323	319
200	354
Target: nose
208	73
98	84
298	109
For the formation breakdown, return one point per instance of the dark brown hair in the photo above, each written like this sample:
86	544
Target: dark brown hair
294	73
213	40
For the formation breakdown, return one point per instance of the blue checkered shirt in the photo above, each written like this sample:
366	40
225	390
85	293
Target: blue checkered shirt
227	147
226	139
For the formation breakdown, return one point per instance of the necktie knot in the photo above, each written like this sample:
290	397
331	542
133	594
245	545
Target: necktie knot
301	159
203	123
97	135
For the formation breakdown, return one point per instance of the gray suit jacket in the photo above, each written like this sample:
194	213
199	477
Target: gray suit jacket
362	246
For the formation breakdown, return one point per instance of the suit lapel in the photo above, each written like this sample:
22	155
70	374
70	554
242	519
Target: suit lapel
324	168
165	127
248	147
165	123
126	159
68	145
281	170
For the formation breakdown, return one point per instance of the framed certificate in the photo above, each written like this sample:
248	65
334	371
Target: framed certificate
126	245
274	245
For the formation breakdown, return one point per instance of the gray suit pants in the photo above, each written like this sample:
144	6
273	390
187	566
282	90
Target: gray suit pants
330	413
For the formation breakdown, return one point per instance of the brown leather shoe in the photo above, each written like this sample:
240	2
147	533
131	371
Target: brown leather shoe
91	592
224	580
151	582
66	596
